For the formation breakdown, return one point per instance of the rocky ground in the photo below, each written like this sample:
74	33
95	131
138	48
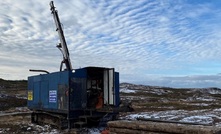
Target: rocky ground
150	102
185	105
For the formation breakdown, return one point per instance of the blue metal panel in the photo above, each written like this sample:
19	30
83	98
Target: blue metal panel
117	96
36	94
45	90
30	92
80	73
78	89
54	80
49	91
44	94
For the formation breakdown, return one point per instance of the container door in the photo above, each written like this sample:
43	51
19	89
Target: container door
43	98
109	87
36	94
78	91
40	94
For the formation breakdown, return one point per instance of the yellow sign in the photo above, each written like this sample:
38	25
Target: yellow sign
30	95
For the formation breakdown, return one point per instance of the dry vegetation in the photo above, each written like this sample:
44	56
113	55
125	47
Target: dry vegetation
147	98
144	99
12	94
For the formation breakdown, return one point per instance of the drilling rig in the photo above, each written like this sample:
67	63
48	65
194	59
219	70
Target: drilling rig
73	98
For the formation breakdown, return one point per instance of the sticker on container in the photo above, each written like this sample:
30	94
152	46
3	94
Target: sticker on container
52	96
30	95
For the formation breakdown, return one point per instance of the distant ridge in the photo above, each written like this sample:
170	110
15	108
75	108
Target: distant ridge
9	84
125	84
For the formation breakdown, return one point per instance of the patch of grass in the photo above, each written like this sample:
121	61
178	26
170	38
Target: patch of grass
11	102
173	105
172	94
13	84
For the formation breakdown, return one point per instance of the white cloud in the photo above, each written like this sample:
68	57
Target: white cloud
137	38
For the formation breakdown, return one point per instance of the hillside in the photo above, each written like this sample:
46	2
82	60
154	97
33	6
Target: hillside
195	105
198	105
12	94
13	84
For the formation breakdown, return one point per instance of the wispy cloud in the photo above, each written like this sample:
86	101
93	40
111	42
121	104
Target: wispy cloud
140	39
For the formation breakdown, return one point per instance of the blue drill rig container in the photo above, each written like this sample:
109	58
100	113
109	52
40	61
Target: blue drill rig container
73	97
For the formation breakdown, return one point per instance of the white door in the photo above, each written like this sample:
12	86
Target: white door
109	87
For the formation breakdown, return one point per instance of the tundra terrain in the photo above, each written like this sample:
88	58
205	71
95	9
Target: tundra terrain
150	102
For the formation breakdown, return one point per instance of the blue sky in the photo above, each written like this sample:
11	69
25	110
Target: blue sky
163	42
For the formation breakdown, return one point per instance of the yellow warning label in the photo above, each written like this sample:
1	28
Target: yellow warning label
30	95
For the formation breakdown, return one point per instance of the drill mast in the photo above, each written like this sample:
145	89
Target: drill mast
62	46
